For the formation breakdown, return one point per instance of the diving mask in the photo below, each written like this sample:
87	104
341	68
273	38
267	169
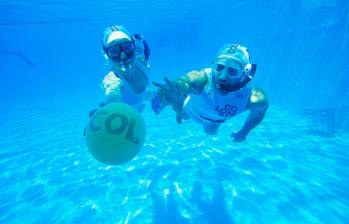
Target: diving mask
232	78
231	71
228	69
120	52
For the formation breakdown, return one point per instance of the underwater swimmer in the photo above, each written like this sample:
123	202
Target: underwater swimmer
211	96
128	80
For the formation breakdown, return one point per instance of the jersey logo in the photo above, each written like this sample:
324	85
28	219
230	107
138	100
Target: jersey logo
226	111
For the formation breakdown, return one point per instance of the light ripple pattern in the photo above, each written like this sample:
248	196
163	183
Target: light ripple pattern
280	174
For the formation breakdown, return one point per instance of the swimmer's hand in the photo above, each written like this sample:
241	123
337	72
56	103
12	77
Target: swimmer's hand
238	136
170	92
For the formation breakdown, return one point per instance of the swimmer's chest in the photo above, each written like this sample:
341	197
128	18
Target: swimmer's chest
138	82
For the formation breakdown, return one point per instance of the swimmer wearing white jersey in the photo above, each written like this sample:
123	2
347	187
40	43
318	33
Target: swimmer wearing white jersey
212	95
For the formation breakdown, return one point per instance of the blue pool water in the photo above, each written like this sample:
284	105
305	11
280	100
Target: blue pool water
293	168
281	174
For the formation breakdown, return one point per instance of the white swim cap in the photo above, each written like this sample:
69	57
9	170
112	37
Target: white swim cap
235	52
115	34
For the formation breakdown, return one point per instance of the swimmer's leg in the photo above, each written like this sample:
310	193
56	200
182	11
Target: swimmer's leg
211	129
185	116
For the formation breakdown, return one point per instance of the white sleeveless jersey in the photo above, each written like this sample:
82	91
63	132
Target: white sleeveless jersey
213	108
129	96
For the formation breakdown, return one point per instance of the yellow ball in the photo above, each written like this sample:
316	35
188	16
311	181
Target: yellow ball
115	133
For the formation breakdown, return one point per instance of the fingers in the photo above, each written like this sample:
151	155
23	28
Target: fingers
159	85
179	118
238	137
179	114
178	108
173	96
177	90
167	86
169	83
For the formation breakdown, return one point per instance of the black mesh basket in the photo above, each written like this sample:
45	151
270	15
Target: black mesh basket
320	122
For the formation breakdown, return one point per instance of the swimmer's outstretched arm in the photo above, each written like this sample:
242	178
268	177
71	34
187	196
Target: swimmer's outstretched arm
175	92
111	86
257	106
192	82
